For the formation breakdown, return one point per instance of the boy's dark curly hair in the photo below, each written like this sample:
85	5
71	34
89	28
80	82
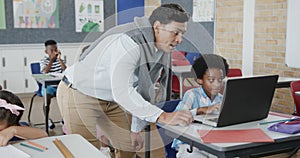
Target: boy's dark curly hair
50	42
209	61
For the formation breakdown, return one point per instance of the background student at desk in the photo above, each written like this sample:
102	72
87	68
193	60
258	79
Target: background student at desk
11	111
210	70
52	62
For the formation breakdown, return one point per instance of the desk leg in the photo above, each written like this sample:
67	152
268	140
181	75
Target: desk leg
46	107
180	86
147	141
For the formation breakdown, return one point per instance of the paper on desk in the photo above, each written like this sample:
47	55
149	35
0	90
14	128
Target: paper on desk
234	136
57	74
13	152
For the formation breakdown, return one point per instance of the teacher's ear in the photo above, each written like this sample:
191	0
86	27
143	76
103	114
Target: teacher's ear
156	26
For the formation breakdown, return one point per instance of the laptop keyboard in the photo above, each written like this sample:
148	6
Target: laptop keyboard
213	119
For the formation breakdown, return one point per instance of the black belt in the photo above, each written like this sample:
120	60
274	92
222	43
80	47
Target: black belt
67	82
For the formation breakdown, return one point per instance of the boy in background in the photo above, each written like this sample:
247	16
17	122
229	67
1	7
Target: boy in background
52	62
210	70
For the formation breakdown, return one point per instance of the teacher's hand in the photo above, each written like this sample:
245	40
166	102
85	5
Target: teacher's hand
181	117
137	141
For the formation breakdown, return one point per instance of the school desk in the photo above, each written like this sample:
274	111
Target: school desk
284	82
282	141
47	80
75	143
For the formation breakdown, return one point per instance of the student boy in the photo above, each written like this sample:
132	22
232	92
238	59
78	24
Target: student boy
210	70
52	62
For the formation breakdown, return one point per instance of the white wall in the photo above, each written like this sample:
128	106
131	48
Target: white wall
15	73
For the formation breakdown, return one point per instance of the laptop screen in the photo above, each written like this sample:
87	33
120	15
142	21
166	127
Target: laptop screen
246	99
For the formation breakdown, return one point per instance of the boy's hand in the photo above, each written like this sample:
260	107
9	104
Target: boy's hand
216	107
55	55
208	109
58	54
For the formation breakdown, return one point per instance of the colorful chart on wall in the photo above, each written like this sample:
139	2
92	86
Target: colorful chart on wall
2	15
36	13
89	15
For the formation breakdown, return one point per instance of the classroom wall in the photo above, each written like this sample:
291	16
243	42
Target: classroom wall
269	42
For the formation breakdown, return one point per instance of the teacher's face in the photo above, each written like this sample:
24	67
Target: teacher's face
168	36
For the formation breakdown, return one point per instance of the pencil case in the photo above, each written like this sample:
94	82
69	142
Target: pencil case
292	127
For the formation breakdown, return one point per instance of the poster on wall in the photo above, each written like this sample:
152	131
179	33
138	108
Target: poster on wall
2	15
89	15
36	13
203	10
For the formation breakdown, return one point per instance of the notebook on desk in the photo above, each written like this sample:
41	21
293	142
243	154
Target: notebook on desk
245	99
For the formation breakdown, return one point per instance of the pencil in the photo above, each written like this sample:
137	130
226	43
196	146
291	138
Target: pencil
263	123
62	148
37	145
31	147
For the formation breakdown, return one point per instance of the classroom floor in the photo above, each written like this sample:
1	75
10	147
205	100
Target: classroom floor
37	117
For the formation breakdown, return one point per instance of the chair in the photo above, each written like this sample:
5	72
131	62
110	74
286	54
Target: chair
192	56
180	62
178	55
295	86
35	69
168	106
234	72
178	59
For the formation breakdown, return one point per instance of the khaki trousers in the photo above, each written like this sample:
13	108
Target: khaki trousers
81	114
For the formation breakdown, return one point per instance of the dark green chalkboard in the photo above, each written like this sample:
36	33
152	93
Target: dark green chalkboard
64	34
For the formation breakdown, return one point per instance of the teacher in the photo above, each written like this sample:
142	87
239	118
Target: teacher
124	73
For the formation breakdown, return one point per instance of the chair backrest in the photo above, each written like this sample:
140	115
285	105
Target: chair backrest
168	106
36	69
295	86
178	55
234	72
192	56
175	84
180	62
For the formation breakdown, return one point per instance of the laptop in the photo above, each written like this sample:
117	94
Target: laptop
245	99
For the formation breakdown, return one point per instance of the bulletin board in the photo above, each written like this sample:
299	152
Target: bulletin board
198	38
66	33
